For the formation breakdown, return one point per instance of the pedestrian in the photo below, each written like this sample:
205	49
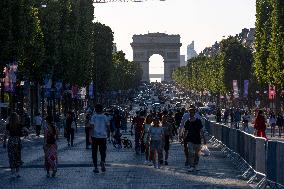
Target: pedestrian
237	118
167	125
146	139
156	135
182	136
138	123
280	123
50	147
70	128
245	122
117	118
178	118
218	115
193	135
100	126
272	123
38	123
15	131
57	122
87	128
260	125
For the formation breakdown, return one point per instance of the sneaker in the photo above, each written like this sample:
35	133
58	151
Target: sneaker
155	166
96	170
191	169
103	168
166	163
159	166
146	162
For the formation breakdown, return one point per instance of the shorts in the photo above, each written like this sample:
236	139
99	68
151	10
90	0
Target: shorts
194	148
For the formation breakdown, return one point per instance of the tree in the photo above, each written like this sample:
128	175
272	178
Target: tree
102	62
125	74
262	39
276	44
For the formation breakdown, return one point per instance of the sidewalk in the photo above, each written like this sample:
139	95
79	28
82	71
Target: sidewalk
125	169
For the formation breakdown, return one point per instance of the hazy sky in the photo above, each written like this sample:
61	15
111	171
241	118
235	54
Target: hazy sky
204	21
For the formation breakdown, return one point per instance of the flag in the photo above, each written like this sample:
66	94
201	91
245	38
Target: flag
91	90
272	92
235	89
58	87
246	85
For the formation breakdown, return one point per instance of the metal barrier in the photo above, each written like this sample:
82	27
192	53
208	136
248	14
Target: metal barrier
257	158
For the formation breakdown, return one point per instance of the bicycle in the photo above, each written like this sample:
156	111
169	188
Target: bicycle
124	142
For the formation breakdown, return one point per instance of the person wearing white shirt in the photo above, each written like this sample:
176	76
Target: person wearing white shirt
38	123
100	126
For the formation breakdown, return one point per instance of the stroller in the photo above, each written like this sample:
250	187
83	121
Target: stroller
118	142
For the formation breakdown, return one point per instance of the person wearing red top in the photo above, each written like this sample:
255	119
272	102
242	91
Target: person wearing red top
260	125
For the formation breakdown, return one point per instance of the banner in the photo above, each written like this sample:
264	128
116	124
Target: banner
58	88
10	77
91	90
47	87
75	91
246	86
235	89
272	92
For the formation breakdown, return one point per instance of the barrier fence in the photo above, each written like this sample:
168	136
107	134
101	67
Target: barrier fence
262	156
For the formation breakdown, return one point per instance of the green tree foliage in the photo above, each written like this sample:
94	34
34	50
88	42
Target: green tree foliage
262	38
32	44
237	61
102	62
21	38
125	74
216	73
269	42
276	45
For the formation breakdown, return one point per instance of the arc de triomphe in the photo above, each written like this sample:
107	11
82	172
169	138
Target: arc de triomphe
168	46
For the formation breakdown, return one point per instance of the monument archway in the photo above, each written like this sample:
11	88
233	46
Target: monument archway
156	68
168	46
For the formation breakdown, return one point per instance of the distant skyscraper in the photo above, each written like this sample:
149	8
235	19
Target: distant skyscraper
114	48
191	53
182	60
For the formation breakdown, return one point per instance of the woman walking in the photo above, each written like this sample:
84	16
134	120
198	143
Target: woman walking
50	147
14	144
146	141
156	135
260	125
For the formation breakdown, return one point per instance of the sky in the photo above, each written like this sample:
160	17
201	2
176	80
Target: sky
202	21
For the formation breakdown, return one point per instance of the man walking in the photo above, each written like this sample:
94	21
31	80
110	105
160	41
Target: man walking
100	126
193	134
38	123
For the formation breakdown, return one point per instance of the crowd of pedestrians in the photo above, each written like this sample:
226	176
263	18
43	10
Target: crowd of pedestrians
260	121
